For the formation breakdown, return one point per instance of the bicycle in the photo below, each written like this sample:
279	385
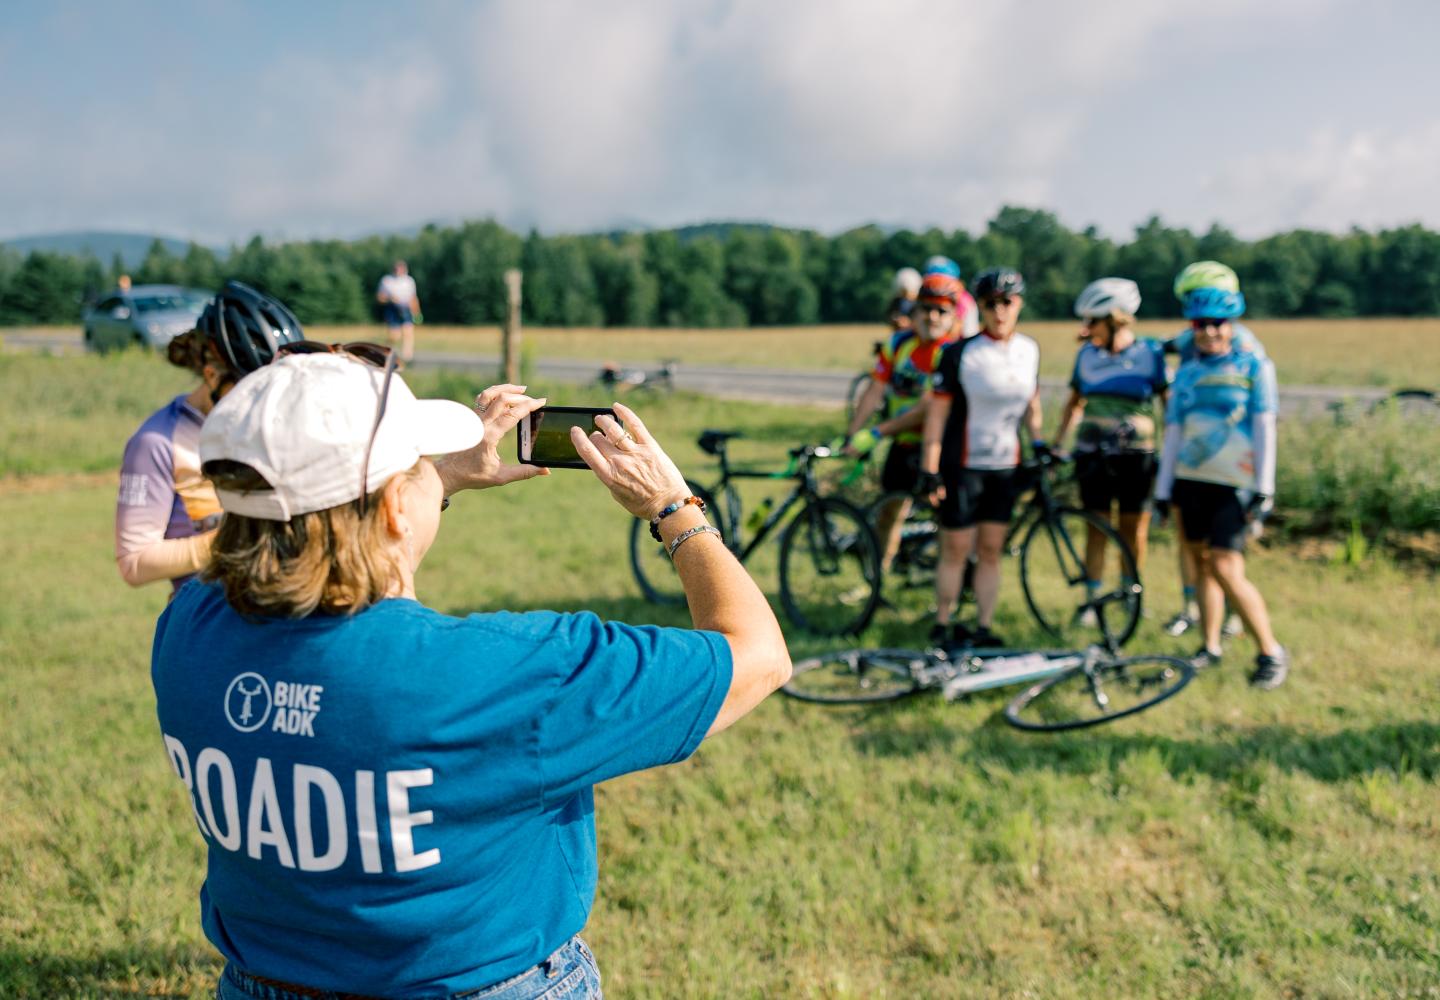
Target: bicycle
620	380
1066	689
1049	537
829	556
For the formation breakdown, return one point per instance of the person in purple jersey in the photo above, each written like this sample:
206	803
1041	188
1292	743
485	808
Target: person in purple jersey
394	801
166	510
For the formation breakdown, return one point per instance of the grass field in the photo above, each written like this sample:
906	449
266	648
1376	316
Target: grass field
1227	844
1365	352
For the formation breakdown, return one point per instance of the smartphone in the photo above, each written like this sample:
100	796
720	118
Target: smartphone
545	435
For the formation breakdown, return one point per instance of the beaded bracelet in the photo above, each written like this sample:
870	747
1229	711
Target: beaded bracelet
701	529
677	505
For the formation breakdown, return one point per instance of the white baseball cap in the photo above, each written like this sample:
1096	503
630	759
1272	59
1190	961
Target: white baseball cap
303	422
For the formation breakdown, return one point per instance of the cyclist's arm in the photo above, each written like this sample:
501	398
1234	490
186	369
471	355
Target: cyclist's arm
1169	452
937	412
1263	428
1070	415
1034	422
870	401
162	559
911	418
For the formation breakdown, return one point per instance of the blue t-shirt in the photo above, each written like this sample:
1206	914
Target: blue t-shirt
1243	341
1213	401
399	802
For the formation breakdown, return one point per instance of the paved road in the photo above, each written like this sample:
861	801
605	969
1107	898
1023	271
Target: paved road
818	388
829	388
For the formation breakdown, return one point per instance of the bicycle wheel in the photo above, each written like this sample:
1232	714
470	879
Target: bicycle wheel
919	552
651	563
829	568
1053	577
853	392
1409	405
1089	696
855	676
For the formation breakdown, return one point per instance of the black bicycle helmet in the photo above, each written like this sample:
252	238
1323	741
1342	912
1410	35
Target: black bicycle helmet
998	281
247	326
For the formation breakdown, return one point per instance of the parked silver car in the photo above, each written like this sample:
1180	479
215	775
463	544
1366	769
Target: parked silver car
147	315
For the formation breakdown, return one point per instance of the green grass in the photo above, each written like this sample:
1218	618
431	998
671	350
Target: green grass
1227	844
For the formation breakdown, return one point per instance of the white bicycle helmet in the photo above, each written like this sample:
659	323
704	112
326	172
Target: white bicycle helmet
1106	295
907	282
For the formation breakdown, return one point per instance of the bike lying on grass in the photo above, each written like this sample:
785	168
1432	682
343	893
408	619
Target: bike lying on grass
1066	689
829	558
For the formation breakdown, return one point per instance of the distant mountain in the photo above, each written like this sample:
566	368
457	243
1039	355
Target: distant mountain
131	247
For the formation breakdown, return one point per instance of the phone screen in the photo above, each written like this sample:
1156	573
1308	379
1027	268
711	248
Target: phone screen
545	435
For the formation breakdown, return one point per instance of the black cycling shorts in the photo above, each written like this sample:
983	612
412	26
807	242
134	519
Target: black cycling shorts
975	495
1125	479
902	468
1211	512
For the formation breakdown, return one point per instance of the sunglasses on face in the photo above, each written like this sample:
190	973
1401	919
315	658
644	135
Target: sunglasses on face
998	301
1201	324
942	310
375	355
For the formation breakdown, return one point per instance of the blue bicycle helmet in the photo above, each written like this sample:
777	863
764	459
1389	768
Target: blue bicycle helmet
1212	303
940	264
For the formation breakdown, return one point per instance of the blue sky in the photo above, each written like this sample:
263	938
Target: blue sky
216	119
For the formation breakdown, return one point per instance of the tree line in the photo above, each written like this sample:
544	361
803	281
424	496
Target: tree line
752	275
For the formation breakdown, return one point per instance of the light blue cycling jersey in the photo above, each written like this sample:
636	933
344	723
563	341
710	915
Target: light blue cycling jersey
1214	401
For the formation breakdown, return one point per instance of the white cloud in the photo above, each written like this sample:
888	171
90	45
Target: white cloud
1334	180
576	115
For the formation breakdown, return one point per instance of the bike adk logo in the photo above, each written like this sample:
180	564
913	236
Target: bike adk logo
248	702
251	701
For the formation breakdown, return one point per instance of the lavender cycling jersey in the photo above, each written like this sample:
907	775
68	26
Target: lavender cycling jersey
163	495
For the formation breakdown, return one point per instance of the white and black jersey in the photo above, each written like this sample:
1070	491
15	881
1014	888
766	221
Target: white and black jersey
990	383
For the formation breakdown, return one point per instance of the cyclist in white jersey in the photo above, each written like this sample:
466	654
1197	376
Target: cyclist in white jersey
984	389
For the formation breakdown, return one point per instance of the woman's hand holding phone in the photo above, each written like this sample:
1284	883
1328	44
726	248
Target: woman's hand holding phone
501	407
638	473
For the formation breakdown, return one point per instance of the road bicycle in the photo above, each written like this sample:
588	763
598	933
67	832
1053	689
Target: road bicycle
619	379
1049	538
1064	689
829	558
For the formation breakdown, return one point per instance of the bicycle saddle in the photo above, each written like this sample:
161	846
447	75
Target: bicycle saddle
713	442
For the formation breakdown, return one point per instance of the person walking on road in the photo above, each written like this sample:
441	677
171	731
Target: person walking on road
400	304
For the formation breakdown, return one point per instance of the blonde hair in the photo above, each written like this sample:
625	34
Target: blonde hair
333	561
1119	318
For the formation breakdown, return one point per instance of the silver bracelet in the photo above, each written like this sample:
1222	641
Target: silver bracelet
702	529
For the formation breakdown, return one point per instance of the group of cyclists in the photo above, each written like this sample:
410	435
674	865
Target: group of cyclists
956	384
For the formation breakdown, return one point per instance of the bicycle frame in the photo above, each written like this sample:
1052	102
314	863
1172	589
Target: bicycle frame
805	489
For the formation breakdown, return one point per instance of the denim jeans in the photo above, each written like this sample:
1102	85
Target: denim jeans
569	974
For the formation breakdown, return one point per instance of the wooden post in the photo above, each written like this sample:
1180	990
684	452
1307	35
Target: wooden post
510	340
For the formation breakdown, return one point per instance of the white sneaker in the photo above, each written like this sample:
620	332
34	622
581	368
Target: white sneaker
1233	627
1179	624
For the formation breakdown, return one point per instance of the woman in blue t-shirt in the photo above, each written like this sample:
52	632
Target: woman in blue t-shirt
1218	468
395	801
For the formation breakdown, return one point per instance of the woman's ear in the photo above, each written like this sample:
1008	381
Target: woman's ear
392	508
